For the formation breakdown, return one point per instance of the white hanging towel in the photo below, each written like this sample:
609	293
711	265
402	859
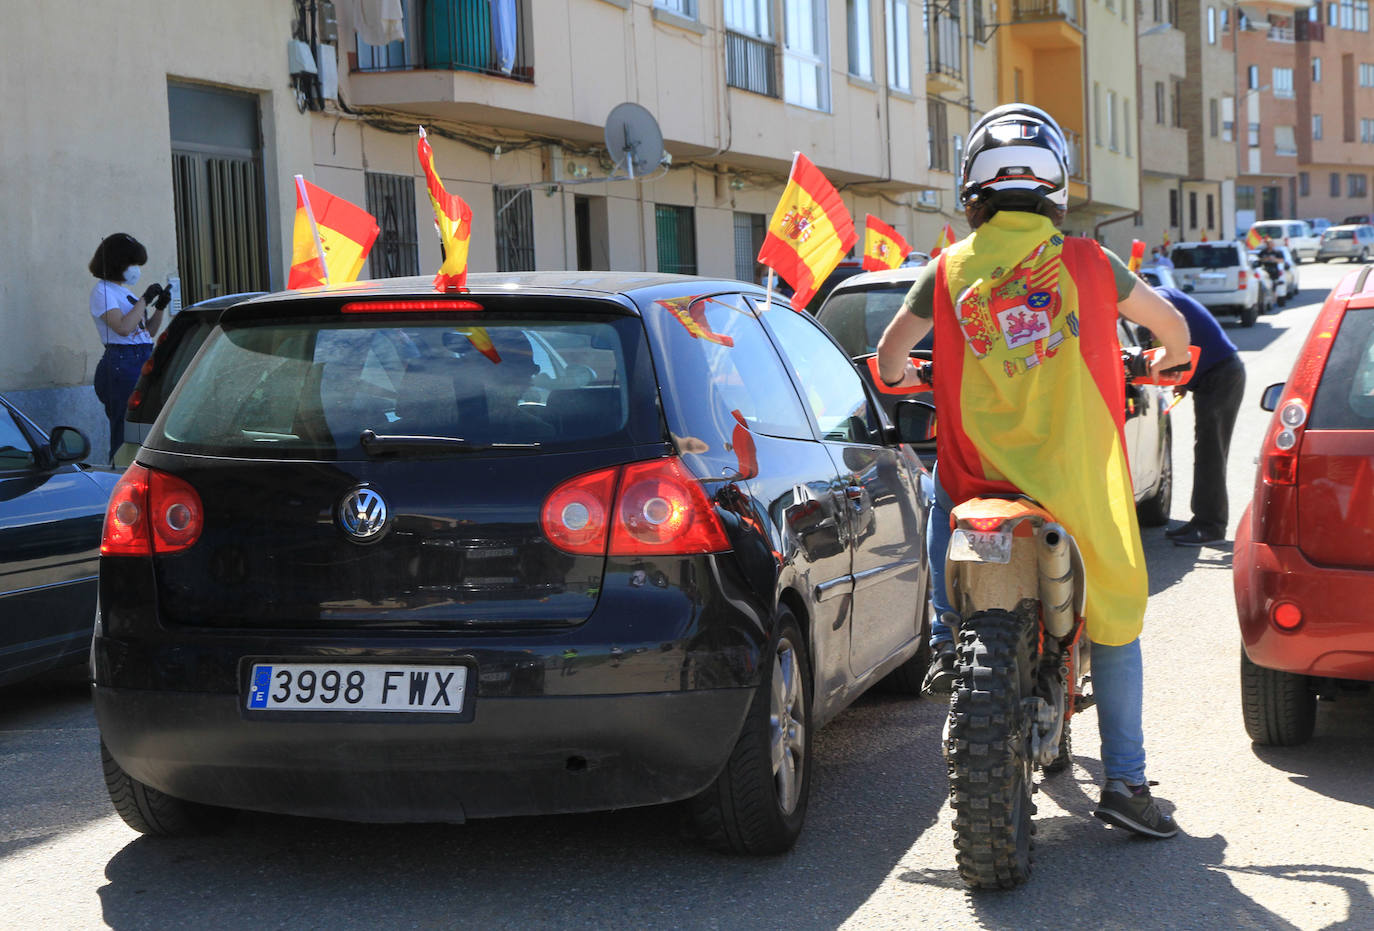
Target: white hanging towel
379	22
503	30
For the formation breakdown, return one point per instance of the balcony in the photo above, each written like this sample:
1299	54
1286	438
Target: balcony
1028	11
1308	31
1075	141
1280	29
751	63
1046	24
944	64
458	35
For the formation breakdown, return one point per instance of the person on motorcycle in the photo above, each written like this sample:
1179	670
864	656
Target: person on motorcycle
1030	389
1271	258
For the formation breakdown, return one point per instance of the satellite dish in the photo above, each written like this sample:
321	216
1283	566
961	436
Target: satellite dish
633	139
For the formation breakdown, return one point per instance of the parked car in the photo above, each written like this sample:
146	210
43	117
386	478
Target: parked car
396	568
1359	219
1218	276
1295	234
1157	276
858	311
1303	564
1354	243
1319	225
1285	286
174	349
51	508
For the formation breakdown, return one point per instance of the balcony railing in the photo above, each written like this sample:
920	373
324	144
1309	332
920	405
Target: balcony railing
1309	31
751	63
1075	141
459	35
1281	29
942	42
1030	10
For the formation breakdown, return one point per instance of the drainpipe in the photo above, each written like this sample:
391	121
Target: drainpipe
1097	230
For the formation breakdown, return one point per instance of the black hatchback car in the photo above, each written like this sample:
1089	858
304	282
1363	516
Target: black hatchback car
556	543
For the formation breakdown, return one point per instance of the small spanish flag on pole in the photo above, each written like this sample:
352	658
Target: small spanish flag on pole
1253	239
944	241
331	240
1167	243
810	232
453	217
884	247
1137	255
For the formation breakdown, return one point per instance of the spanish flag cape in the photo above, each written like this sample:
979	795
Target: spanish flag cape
1031	397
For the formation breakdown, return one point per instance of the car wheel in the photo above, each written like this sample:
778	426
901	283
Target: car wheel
1364	256
758	802
907	678
1249	314
1280	707
149	811
1154	510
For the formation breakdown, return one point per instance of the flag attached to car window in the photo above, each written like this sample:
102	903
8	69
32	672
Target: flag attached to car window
884	247
331	240
810	231
453	217
1253	239
943	241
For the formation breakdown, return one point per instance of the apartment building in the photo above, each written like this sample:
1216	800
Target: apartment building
184	123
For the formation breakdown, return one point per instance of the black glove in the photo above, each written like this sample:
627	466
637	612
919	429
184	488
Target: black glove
151	294
163	299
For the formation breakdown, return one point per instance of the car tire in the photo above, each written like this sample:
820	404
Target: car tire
1364	256
907	678
1280	707
758	802
1154	510
149	811
1249	314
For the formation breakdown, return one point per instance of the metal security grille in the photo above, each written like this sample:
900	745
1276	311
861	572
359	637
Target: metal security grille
749	231
391	199
751	64
677	239
514	229
221	246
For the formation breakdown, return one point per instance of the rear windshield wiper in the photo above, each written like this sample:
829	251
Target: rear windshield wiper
375	444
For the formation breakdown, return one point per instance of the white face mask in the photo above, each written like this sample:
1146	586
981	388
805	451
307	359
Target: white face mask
131	274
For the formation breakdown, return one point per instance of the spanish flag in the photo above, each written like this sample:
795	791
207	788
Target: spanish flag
481	341
884	247
1137	255
809	233
453	217
331	240
1167	243
945	240
1253	239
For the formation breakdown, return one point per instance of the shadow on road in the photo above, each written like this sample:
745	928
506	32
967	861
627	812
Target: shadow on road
1168	564
879	785
1338	759
1253	338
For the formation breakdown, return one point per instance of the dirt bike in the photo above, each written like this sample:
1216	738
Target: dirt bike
1023	667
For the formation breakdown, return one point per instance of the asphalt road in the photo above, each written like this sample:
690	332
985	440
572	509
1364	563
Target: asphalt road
1272	838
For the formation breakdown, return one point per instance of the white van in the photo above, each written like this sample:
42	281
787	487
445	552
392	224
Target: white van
1295	234
1219	276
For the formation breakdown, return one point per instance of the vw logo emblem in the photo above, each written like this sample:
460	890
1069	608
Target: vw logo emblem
362	515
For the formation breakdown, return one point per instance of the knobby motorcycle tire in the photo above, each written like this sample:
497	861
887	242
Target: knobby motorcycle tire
988	749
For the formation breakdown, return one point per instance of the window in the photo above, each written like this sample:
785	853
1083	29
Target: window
1018	85
1254	139
1213	117
1285	141
1335	184
1211	211
1178	104
937	131
1252	77
15	451
514	229
1160	108
1347	14
391	200
1245	197
1126	124
1366	75
805	73
687	8
1357	186
1282	82
860	39
1316	71
1173	207
1211	26
1361	15
1111	120
1192	209
834	391
1097	113
1304	184
898	44
676	234
979	22
1225	20
1367	130
958	166
749	232
1316	126
750	49
1228	119
1332	12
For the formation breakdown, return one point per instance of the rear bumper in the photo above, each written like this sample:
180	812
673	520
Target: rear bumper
1229	301
1336	637
517	756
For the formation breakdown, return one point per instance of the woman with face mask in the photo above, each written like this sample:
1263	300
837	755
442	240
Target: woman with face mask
124	322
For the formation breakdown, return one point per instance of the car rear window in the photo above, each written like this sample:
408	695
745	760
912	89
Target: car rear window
1220	256
1345	395
1338	234
310	388
856	317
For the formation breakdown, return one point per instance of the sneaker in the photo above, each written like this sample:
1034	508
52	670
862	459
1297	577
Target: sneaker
1198	535
1133	808
1180	530
940	676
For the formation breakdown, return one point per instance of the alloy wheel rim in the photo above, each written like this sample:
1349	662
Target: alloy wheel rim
787	726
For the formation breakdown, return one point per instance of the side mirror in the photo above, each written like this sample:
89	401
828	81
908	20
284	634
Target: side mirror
1272	395
915	421
69	444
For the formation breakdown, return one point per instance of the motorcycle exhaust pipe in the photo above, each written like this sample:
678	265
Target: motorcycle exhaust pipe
1056	580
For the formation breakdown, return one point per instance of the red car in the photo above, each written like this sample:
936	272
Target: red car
1304	554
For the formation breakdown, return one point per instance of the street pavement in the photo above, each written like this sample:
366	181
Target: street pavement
1272	838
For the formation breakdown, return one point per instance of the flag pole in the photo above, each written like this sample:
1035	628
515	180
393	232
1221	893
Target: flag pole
768	296
310	214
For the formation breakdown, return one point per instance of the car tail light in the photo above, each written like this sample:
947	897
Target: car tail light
644	508
400	307
1240	280
135	400
984	524
151	512
1286	615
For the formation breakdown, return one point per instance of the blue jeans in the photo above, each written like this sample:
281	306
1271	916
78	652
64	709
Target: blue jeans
1117	673
116	374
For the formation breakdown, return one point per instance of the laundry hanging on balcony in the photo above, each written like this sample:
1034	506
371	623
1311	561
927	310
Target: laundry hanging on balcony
379	22
503	32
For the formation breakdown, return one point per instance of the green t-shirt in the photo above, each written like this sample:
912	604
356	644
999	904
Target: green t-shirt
920	300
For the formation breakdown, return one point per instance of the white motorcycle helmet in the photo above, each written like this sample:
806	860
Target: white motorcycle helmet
1016	159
